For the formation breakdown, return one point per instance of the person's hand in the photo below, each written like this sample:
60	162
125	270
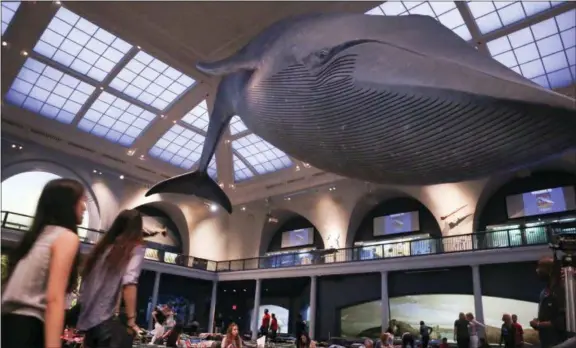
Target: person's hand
134	330
534	323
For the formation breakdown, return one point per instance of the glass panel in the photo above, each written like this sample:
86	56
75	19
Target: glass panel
264	157
9	9
241	171
237	126
179	146
198	117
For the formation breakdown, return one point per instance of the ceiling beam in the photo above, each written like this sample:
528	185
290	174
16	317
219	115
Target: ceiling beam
24	31
472	26
542	16
245	161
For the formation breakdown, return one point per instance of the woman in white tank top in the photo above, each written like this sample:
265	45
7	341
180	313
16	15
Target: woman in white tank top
43	268
473	328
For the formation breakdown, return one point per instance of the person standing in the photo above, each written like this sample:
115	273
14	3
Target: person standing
461	333
473	329
507	332
110	275
551	321
519	331
43	269
425	332
265	323
273	327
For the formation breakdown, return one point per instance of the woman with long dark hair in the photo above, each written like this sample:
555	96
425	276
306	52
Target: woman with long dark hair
111	274
232	338
43	268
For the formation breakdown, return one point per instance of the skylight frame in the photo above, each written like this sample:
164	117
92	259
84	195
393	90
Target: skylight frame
9	9
544	52
82	46
237	125
198	117
49	92
446	13
179	146
241	170
116	120
152	81
261	155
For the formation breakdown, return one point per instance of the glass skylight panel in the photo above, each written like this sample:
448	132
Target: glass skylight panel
241	171
544	52
444	12
9	9
49	92
179	146
115	119
493	15
198	117
237	126
264	157
151	81
81	45
212	169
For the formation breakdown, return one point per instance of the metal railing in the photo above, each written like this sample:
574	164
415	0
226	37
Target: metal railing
487	240
21	222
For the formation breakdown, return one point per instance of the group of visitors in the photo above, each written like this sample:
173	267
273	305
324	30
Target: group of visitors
166	329
269	327
45	266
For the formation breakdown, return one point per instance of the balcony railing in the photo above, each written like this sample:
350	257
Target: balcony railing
511	238
21	222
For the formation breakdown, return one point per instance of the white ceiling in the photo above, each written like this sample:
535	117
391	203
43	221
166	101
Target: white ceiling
117	79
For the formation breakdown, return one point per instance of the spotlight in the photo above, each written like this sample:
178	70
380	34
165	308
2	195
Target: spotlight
24	53
19	147
139	47
4	43
162	116
121	177
57	3
13	146
131	152
243	208
297	168
101	88
94	171
213	207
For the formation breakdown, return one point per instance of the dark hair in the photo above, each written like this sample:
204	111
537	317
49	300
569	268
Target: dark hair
122	237
421	322
56	206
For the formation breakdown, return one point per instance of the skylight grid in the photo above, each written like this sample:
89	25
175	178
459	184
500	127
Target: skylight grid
264	157
198	116
48	92
9	9
212	169
151	81
444	12
81	45
241	171
179	146
237	126
493	15
115	119
544	52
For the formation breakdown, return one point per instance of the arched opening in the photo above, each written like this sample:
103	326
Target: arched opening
512	202
165	228
518	211
20	194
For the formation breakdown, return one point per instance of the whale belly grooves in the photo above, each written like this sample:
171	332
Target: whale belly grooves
400	134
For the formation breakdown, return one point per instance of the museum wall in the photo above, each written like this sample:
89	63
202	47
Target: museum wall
337	211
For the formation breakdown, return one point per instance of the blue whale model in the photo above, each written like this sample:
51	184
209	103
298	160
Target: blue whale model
398	100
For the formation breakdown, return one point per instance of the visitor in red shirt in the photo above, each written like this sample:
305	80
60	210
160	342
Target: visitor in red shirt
265	323
273	326
519	331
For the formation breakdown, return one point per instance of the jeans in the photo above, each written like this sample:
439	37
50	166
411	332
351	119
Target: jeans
463	342
20	331
108	334
425	341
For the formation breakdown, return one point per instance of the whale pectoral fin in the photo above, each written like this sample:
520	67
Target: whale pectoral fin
227	66
197	184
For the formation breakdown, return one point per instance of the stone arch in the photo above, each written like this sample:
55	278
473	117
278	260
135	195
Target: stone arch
370	201
497	188
34	165
284	216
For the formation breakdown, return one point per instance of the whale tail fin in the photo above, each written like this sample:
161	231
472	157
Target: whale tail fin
196	183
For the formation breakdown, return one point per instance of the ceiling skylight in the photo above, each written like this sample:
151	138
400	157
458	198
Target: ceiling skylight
179	146
544	52
49	92
198	117
9	9
264	157
80	45
492	15
444	12
115	119
212	169
151	81
241	171
237	126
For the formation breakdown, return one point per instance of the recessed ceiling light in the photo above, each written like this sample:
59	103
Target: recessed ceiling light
131	152
297	168
19	147
213	208
4	43
243	208
94	171
139	47
13	146
101	88
174	121
162	116
121	177
24	53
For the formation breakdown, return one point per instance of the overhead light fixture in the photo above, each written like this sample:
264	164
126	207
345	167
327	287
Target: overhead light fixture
162	116
101	88
333	188
131	152
24	53
94	171
227	141
58	3
142	157
121	177
4	43
213	207
174	121
243	208
287	198
232	186
297	168
139	47
221	185
306	165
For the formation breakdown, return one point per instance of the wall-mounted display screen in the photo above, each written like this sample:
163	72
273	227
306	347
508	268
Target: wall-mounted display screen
541	202
299	237
396	223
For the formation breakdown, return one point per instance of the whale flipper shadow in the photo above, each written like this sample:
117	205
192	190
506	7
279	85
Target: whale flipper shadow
197	184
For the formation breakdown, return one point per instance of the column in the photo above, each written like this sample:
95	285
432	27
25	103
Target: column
477	288
384	300
254	324
154	298
212	314
313	296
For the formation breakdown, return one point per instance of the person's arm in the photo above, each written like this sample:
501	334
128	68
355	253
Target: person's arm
478	323
130	286
62	257
558	320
